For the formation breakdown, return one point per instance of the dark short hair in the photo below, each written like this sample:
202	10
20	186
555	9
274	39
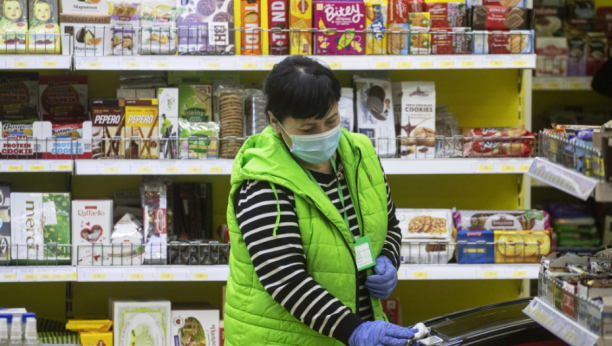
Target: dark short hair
301	88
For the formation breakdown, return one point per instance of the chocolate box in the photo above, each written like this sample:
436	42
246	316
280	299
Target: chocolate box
89	34
18	95
44	15
345	16
92	223
205	27
98	7
13	26
549	21
278	21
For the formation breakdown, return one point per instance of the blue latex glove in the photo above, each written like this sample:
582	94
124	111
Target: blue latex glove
383	282
380	333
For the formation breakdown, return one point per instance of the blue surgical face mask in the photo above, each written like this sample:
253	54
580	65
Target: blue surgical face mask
315	148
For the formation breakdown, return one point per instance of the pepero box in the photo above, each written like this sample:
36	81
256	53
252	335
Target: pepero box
347	18
141	129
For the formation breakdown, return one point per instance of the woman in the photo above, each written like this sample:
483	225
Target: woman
305	194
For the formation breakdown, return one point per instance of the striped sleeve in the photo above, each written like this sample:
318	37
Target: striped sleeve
393	242
280	262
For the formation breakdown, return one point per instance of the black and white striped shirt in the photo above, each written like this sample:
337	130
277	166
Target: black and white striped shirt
280	262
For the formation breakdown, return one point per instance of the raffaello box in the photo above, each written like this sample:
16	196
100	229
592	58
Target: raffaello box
347	17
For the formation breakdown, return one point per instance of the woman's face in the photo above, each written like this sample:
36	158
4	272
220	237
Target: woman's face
42	11
12	10
310	126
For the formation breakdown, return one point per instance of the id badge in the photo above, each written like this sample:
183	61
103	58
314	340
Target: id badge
364	256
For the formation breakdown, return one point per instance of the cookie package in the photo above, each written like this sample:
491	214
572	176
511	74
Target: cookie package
125	19
418	122
158	23
398	31
18	95
477	247
501	18
451	41
551	56
498	142
503	42
205	27
347	17
63	98
447	13
517	220
509	3
426	251
425	223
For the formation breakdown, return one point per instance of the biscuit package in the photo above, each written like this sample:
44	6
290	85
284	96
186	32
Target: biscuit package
141	129
398	32
420	43
551	56
158	23
196	140
426	251
231	114
374	113
376	21
348	18
195	103
446	13
92	33
419	22
509	3
63	98
125	20
13	26
517	220
300	19
108	126
451	41
502	246
500	18
250	12
18	95
278	21
418	124
498	142
425	223
503	42
44	15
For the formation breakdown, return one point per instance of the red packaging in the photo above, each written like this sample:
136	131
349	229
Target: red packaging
603	21
72	131
496	15
399	9
278	20
441	41
498	142
446	14
63	98
391	308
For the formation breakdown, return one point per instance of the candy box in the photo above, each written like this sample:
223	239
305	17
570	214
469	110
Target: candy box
347	17
376	21
92	222
250	13
89	34
18	95
44	15
206	27
278	21
446	13
141	129
551	56
63	98
13	26
300	18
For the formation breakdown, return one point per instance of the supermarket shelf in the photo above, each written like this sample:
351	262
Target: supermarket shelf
36	166
561	83
468	271
153	167
224	167
456	166
560	325
37	274
153	273
245	63
38	62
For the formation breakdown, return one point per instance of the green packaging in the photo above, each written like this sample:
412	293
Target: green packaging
195	103
196	142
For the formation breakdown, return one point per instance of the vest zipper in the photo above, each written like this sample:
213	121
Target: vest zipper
362	225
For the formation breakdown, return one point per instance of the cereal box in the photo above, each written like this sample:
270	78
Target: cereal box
18	95
44	15
446	13
398	37
63	98
300	18
250	12
13	26
376	20
278	21
346	17
141	129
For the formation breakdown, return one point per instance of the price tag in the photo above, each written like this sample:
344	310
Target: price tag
145	169
426	64
519	63
270	65
335	65
536	86
136	276
382	64
64	167
9	277
20	64
215	169
132	64
554	86
171	170
74	275
447	64
111	170
485	168
524	168
575	85
200	276
166	276
46	277
98	276
50	64
420	275
194	169
30	277
163	65
519	273
496	63
217	65
507	168
469	63
37	167
15	168
490	274
403	64
94	64
249	65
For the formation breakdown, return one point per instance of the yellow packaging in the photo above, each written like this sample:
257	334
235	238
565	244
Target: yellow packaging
141	129
521	246
89	325
96	338
300	18
376	22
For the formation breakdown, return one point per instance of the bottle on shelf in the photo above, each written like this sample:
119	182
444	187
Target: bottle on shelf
5	320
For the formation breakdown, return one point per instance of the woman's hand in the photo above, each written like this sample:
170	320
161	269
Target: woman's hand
379	333
383	282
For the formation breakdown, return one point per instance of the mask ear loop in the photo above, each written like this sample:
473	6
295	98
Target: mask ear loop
281	125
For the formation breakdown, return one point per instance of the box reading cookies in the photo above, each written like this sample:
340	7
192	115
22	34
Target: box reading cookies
347	18
300	20
18	95
141	129
376	21
418	125
63	98
108	120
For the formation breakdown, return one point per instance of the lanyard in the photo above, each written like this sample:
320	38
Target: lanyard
340	194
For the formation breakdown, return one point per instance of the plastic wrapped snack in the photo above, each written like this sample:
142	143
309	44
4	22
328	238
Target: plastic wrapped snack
255	111
425	223
498	142
231	114
518	220
449	141
198	140
426	251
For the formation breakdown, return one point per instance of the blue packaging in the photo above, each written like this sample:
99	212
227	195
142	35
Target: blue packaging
476	250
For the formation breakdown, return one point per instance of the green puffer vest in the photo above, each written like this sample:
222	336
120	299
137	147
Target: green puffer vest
252	316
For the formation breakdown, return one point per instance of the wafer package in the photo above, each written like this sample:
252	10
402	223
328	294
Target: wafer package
300	21
141	129
250	12
518	220
376	21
